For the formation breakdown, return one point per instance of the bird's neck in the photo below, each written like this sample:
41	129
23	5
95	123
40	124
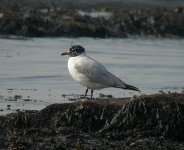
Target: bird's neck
78	57
82	54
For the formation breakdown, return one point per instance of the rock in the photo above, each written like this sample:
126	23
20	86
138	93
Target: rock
69	23
146	122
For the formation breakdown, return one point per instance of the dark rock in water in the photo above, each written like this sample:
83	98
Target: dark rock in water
69	23
146	122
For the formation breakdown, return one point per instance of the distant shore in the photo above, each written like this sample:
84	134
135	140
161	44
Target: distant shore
103	23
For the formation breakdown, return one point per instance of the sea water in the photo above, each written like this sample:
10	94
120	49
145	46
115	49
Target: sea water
34	69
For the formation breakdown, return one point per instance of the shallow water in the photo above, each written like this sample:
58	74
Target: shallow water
34	68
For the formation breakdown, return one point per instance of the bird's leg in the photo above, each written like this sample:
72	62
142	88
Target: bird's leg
91	94
86	93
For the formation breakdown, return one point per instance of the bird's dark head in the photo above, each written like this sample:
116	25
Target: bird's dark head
75	50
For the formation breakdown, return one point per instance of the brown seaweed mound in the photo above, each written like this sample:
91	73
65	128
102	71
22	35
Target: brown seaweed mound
146	122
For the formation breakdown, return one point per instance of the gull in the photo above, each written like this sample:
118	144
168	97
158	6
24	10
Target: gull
90	73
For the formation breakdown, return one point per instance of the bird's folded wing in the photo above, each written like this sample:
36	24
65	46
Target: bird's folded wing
96	73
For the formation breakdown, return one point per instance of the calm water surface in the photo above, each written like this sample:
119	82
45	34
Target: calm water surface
34	68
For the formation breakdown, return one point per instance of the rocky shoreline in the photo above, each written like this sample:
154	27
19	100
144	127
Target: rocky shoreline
144	122
103	23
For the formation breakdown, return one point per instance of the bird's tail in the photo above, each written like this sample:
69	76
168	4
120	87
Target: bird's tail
130	87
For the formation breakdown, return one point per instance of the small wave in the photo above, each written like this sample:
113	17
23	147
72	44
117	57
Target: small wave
33	77
12	37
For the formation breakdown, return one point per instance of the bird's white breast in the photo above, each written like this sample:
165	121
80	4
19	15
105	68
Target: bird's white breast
71	67
76	74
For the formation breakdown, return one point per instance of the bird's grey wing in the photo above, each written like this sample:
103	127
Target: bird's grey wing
98	74
95	72
102	76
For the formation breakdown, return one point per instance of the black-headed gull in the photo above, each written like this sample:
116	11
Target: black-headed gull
91	73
